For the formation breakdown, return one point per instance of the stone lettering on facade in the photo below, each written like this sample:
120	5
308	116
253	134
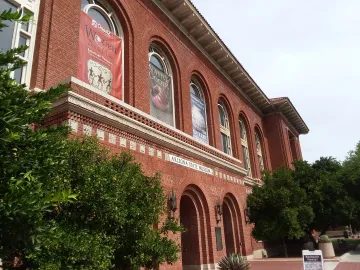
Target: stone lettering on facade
190	164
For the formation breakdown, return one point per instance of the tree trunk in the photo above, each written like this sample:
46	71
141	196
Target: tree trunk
284	246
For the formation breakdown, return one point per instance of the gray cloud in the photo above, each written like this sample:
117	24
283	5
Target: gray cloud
308	51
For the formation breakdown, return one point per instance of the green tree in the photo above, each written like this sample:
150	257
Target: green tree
279	208
30	166
350	176
324	188
68	203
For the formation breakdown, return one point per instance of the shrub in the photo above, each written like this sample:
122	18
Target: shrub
234	262
324	239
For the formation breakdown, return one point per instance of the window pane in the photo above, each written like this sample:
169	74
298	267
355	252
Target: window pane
84	3
245	156
25	26
7	32
222	117
100	18
194	90
261	163
22	41
242	131
224	142
156	62
18	75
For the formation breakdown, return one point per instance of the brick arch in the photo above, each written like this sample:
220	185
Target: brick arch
122	13
195	74
250	139
197	220
176	73
233	224
232	121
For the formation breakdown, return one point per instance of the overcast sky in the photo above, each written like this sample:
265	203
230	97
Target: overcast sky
306	50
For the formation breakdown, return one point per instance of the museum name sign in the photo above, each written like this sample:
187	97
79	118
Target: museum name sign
189	164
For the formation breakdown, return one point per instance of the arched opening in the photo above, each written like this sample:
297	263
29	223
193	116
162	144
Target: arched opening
190	248
228	229
259	150
233	226
198	112
103	75
161	86
245	145
224	129
196	242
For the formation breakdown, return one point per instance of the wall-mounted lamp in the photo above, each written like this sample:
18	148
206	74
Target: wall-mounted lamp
172	204
247	214
219	211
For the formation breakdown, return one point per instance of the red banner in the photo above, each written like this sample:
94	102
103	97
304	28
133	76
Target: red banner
100	57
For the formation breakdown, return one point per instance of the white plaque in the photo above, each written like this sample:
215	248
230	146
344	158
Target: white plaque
190	164
313	260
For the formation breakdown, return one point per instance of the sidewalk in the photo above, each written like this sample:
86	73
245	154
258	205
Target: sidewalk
349	261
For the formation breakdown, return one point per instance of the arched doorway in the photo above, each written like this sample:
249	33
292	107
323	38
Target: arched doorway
196	242
228	229
190	248
233	229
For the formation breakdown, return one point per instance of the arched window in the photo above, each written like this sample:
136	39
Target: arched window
101	12
198	112
259	151
161	86
245	147
224	129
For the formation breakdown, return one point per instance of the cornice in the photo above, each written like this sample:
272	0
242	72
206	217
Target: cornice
193	25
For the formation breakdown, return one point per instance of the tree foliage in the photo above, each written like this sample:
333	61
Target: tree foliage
321	181
279	208
350	176
68	203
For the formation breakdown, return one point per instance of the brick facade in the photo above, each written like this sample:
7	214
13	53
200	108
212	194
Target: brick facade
89	112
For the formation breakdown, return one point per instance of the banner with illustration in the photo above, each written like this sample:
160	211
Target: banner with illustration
161	104
100	57
198	117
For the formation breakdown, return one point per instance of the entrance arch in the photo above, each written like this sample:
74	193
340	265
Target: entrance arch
196	242
233	229
228	229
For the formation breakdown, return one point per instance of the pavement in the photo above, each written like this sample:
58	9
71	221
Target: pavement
349	261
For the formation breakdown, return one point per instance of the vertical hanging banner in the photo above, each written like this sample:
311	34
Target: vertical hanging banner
161	105
198	117
100	57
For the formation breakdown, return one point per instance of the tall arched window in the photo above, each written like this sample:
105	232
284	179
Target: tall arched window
259	151
224	129
102	12
161	86
198	112
245	147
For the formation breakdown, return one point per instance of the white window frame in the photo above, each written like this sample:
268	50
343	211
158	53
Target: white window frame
196	85
244	142
225	130
31	6
259	151
154	50
115	25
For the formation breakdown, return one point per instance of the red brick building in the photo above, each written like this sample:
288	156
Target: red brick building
176	97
